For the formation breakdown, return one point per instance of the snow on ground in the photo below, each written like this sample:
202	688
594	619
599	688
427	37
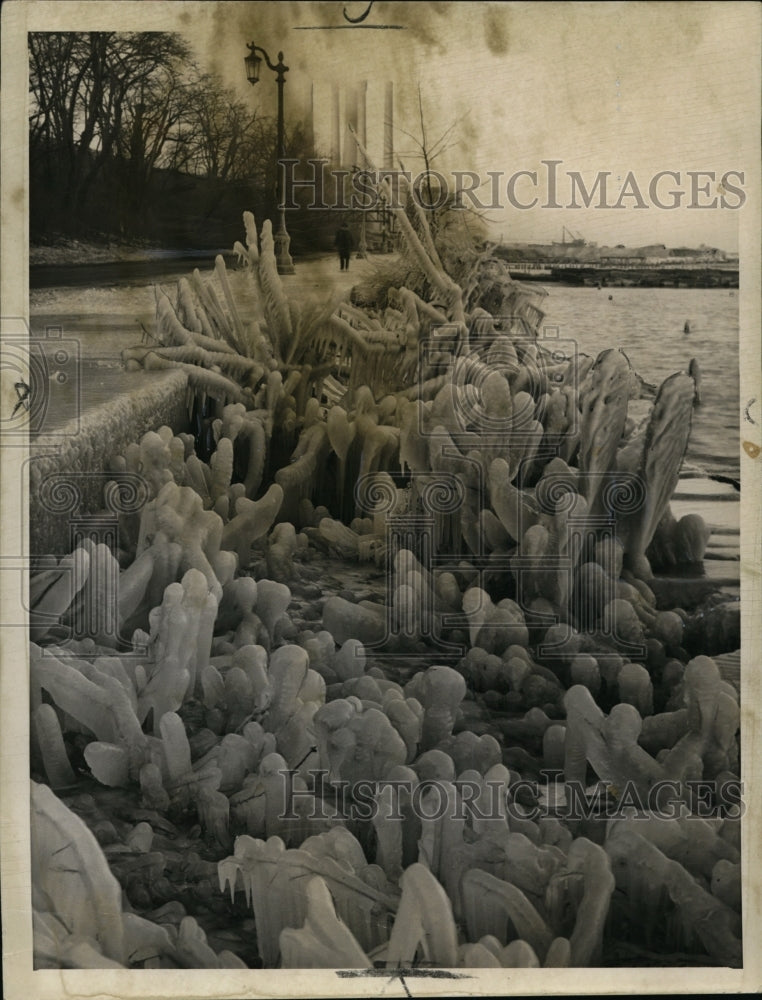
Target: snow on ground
68	251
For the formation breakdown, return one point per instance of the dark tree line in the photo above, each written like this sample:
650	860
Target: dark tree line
125	130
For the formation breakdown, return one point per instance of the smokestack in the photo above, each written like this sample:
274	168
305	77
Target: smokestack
389	127
362	112
335	130
350	116
311	117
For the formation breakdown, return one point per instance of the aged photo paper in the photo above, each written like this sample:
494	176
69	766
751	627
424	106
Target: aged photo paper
381	429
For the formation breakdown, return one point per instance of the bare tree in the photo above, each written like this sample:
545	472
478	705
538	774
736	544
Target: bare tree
117	120
427	149
86	90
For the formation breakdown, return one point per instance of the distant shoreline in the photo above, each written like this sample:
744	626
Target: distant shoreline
634	278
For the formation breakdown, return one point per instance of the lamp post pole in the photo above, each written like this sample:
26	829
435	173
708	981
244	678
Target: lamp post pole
281	238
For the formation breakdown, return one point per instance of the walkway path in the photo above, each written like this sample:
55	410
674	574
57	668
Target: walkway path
320	273
107	318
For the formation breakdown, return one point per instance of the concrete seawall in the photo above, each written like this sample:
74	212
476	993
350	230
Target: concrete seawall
73	462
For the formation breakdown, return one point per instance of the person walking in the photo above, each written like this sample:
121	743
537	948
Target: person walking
344	245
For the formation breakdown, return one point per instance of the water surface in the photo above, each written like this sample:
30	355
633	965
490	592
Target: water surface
648	325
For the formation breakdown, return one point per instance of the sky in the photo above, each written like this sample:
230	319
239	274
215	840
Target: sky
629	89
617	88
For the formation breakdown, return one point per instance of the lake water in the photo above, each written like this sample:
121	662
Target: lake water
647	323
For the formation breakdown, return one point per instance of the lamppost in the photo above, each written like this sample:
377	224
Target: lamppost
281	238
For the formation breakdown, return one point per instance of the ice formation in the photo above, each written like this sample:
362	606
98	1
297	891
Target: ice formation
369	814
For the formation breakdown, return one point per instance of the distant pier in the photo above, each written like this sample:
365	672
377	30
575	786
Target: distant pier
582	263
643	276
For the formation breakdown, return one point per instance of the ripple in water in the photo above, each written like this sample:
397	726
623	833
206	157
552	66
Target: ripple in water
648	324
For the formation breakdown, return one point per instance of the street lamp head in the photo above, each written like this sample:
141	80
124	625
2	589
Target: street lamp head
252	63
